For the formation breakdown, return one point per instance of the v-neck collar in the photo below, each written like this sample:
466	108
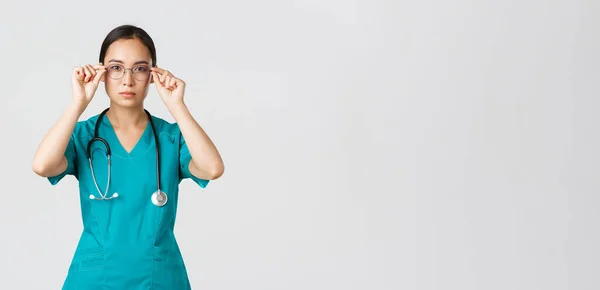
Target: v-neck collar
117	148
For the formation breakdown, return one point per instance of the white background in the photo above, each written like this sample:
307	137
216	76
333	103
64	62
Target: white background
367	144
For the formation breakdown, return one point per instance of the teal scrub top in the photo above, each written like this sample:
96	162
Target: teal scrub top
128	242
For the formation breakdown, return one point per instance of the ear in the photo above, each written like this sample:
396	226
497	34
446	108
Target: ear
151	78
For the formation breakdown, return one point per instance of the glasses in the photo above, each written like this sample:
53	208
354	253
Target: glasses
140	73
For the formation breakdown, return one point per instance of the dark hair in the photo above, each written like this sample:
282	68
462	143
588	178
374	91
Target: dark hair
128	32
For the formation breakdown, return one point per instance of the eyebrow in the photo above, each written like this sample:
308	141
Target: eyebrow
137	62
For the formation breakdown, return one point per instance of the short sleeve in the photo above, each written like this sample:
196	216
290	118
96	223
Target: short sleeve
184	161
71	156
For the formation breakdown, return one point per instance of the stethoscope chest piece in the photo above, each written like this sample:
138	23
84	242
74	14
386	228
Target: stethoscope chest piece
159	198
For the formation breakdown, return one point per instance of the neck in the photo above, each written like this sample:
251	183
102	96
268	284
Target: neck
123	117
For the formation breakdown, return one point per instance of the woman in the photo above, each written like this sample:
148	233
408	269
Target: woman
128	189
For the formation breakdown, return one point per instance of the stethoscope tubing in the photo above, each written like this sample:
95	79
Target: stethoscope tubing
159	198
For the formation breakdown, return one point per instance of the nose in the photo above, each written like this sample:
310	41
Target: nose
128	79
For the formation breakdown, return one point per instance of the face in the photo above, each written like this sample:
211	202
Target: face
127	78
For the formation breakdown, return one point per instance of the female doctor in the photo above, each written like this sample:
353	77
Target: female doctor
128	164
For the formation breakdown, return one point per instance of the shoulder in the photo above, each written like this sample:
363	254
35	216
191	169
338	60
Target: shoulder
164	126
85	128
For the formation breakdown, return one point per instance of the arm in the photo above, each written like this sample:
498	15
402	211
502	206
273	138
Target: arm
206	161
49	159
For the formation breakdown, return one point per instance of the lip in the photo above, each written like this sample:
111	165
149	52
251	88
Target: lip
127	94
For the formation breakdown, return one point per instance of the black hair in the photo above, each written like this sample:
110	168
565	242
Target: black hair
128	32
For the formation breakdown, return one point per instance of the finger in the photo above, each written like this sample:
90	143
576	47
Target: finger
163	77
94	73
92	70
163	72
158	70
156	79
173	82
84	73
87	73
179	82
78	72
99	66
167	81
161	80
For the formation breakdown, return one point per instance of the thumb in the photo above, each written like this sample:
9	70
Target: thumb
157	80
99	76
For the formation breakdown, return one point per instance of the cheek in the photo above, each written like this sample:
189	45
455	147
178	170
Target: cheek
110	85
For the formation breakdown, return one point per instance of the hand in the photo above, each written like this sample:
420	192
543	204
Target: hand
85	81
169	87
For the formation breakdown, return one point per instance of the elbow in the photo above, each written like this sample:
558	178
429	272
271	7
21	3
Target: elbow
209	171
44	168
39	168
217	171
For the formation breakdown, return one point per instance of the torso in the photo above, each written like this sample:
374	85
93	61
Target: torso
127	242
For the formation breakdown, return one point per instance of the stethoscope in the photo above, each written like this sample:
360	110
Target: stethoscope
159	198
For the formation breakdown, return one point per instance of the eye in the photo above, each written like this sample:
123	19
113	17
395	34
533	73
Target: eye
115	67
141	69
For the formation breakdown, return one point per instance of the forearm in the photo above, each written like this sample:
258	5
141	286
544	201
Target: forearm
206	160
50	153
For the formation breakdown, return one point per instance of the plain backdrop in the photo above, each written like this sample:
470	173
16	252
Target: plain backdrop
367	144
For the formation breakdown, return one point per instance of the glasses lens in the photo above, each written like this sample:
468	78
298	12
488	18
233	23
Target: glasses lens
115	71
141	73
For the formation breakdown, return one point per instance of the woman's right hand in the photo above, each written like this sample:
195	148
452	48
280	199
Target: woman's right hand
85	81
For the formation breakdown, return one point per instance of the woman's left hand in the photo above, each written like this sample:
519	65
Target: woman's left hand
169	87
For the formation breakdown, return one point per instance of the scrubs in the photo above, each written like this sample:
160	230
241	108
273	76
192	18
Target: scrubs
128	242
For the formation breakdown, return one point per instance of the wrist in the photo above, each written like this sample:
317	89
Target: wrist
78	106
176	106
177	109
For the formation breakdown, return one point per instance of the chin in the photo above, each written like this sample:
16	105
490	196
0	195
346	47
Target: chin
127	102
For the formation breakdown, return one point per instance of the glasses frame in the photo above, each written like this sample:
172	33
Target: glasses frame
132	72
